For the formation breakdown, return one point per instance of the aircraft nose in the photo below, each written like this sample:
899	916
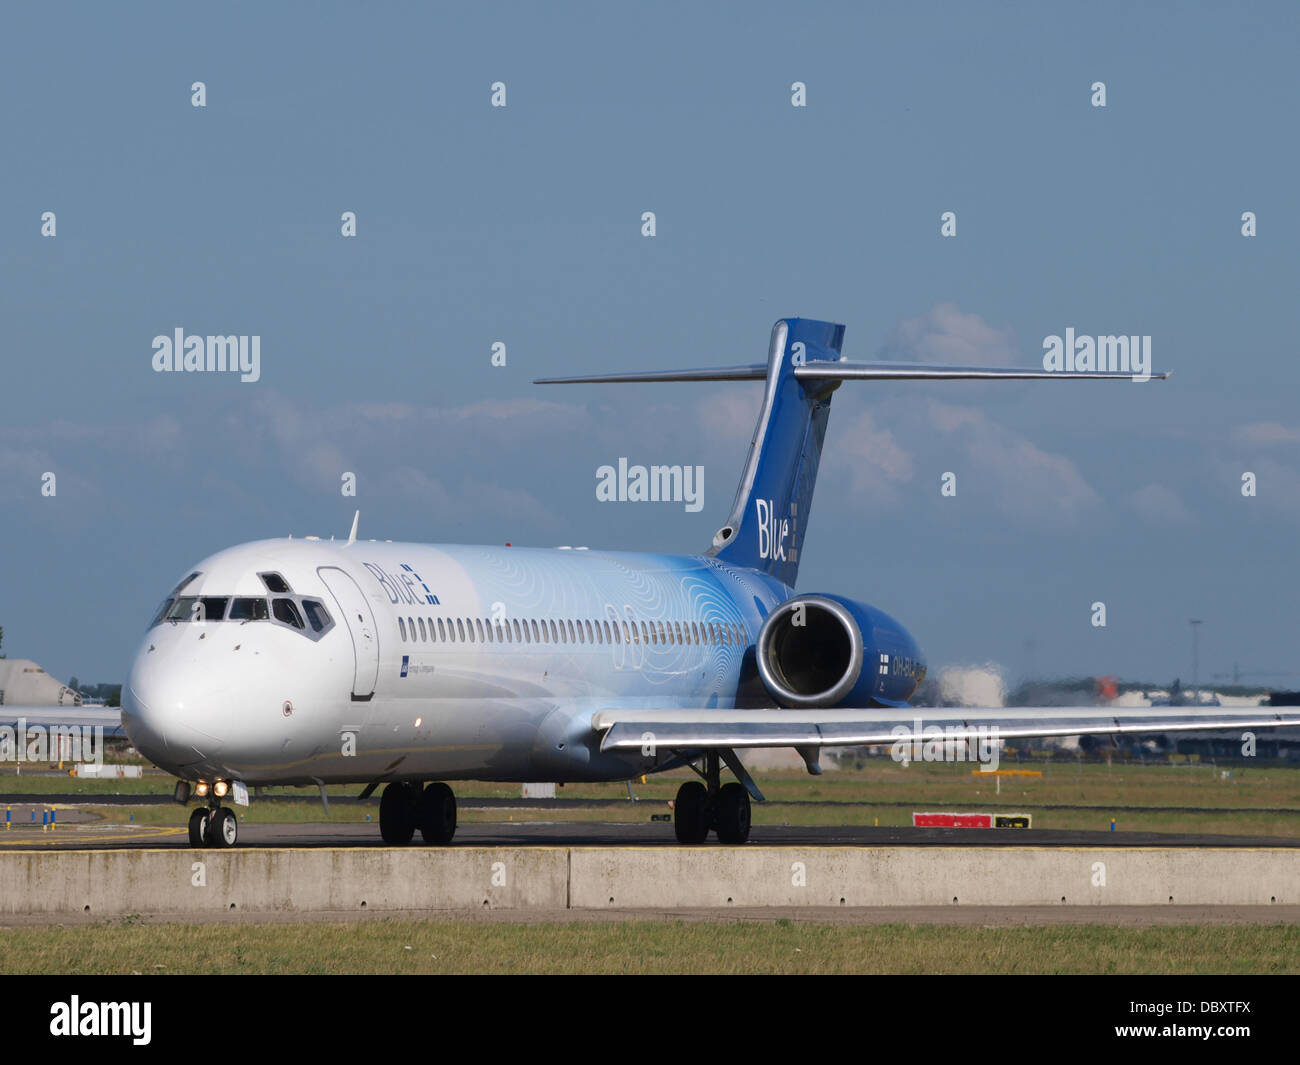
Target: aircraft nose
172	720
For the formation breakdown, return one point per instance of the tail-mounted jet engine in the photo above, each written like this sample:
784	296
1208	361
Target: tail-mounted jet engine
826	651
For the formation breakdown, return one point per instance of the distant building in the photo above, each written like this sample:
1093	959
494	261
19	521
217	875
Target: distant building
24	683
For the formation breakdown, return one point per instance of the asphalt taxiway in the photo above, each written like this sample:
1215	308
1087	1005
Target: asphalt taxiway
93	835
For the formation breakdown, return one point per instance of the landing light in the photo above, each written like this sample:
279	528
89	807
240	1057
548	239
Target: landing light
201	789
419	721
220	788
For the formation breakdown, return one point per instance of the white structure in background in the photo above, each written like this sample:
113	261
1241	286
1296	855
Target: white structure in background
24	683
1160	697
972	685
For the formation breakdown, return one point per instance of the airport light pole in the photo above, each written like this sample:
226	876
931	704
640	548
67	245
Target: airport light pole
1196	648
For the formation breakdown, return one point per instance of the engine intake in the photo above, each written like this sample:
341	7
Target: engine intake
810	652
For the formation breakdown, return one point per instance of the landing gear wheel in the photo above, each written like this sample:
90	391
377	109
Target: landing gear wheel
395	822
437	813
732	818
223	829
691	813
199	828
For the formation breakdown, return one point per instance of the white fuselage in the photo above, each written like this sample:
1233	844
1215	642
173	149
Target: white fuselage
433	662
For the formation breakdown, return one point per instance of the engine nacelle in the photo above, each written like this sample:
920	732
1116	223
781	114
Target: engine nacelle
827	651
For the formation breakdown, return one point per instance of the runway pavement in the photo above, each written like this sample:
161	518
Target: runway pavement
100	836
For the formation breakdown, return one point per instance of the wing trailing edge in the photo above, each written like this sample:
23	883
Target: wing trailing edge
625	730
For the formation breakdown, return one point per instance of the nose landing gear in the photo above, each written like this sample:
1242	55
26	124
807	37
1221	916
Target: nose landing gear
214	827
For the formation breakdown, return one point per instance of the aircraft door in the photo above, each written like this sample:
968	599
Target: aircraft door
361	625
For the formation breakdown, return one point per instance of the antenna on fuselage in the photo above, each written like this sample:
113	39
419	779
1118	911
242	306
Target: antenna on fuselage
352	536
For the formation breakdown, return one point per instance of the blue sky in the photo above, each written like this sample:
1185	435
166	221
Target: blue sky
523	225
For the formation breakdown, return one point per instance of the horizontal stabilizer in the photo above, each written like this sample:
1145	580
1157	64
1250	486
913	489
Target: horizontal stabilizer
854	371
756	372
919	371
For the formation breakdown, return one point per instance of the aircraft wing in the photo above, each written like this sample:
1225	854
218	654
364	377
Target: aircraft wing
626	730
53	717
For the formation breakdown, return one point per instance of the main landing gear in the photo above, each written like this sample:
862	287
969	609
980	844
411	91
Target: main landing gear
724	808
216	826
404	807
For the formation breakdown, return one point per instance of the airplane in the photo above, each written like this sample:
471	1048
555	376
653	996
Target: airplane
32	700
306	661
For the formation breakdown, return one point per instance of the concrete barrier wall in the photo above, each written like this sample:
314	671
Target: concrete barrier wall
931	876
293	880
111	883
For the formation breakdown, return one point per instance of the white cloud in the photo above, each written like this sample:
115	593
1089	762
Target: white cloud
877	461
1021	478
1157	504
1266	433
944	334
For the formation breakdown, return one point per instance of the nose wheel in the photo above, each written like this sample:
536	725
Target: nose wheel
199	828
214	828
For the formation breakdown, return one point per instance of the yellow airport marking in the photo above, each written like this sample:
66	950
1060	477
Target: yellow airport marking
77	838
1006	773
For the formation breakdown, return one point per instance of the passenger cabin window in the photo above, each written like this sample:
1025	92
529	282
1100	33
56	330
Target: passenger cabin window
442	633
401	627
275	583
424	636
249	610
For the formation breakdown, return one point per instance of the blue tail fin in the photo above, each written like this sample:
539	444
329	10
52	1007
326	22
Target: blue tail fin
766	528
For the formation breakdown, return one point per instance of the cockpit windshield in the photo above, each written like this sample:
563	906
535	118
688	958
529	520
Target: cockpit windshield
198	608
248	610
279	610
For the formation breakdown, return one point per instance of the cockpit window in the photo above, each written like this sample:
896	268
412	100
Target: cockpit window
185	583
275	583
287	612
248	610
161	612
198	608
317	616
